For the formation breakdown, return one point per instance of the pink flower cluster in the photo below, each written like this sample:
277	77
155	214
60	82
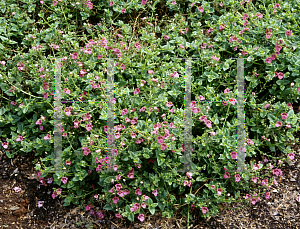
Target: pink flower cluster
277	47
207	122
253	199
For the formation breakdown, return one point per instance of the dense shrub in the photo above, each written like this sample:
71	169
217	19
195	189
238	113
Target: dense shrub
145	41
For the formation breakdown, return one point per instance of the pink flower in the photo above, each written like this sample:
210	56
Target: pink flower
280	75
277	172
54	2
123	11
5	145
267	195
288	33
215	58
213	186
268	60
137	91
227	90
290	105
226	175
208	123
221	27
259	15
278	124
284	115
265	182
88	51
138	192
154	192
144	2
277	6
244	53
266	106
173	2
237	177
89	4
256	167
89	127
203	118
115	199
20	138
45	86
47	137
74	56
219	191
249	141
246	16
88	207
189	175
64	180
213	133
145	197
291	156
247	196
204	210
201	9
233	155
67	91
138	46
254	179
209	30
118	216
141	217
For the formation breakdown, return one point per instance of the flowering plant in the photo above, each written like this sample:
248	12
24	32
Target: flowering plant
149	86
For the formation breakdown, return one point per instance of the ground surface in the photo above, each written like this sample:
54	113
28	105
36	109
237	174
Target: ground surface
20	210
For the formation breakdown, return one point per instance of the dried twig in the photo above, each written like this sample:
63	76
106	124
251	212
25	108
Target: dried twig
133	31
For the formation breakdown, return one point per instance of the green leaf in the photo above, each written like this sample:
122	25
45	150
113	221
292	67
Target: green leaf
2	111
152	210
174	93
271	117
211	75
263	114
161	205
79	192
131	216
160	161
290	114
107	207
25	109
15	118
75	178
20	127
127	208
70	185
149	201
